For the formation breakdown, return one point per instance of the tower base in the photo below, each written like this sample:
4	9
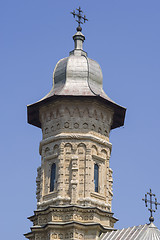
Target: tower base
70	222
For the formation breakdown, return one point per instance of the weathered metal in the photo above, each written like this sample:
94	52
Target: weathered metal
141	232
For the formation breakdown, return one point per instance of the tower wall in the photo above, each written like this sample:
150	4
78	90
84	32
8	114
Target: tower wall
75	138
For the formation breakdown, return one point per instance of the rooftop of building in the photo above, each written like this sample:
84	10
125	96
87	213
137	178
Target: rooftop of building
141	232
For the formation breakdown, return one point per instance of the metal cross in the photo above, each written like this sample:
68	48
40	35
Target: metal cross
80	18
151	202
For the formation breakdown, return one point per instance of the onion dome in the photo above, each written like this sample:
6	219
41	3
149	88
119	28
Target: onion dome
77	76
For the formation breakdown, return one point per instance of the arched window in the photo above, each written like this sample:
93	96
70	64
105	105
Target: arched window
96	176
53	177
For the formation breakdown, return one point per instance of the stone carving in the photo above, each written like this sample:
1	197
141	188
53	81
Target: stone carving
106	133
54	235
99	130
42	220
85	125
76	112
51	150
110	186
71	235
67	112
81	236
60	236
68	148
81	148
75	176
74	179
68	235
47	151
37	237
104	153
56	149
66	124
75	137
76	125
38	183
94	150
93	127
46	130
95	115
86	113
63	117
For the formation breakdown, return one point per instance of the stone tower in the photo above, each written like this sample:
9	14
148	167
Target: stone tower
74	181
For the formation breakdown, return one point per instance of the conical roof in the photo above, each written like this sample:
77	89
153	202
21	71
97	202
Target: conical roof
151	233
141	232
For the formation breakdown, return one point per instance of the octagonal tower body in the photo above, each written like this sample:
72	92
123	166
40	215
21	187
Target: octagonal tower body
74	182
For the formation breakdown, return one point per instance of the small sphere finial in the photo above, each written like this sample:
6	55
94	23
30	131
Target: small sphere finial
151	219
80	18
79	29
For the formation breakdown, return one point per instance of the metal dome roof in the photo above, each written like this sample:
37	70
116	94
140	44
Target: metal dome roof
141	232
77	76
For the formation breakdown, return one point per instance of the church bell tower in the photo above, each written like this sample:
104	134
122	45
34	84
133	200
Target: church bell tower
74	181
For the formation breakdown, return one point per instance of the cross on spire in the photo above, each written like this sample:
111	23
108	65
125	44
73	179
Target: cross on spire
151	202
80	18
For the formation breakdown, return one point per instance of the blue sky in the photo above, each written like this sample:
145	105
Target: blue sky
123	36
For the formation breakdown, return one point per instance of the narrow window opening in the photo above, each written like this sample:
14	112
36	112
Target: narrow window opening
53	177
96	176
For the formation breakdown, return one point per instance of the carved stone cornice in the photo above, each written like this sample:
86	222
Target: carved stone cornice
74	229
71	209
77	136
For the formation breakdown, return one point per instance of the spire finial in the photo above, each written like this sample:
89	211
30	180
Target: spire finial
152	202
80	17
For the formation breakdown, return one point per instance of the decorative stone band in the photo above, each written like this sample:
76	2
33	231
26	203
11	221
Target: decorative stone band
89	201
77	136
70	213
70	230
82	201
52	201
